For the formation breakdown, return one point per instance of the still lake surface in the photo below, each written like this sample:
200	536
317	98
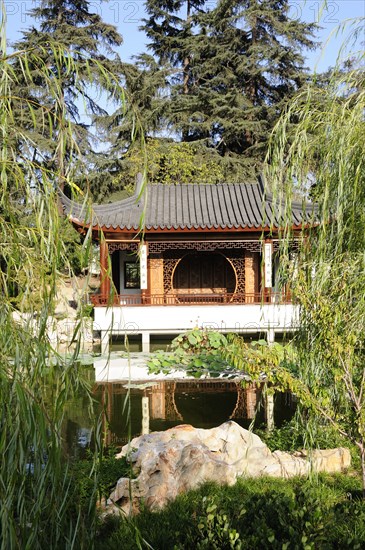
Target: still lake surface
201	403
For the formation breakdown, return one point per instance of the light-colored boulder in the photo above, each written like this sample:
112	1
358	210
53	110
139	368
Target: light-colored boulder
182	458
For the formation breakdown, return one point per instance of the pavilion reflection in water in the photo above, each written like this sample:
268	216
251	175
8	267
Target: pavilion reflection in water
161	405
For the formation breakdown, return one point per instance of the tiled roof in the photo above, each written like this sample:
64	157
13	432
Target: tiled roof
184	206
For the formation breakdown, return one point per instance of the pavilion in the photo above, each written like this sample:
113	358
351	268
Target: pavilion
206	256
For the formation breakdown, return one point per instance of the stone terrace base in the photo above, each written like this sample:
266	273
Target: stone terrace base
177	460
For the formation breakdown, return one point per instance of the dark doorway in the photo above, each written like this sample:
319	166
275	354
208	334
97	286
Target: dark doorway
205	271
115	259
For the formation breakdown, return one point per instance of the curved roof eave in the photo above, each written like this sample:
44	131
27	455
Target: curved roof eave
190	208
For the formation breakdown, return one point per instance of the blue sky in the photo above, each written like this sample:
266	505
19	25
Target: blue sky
127	15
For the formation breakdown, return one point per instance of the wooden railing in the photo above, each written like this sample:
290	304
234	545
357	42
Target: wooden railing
190	299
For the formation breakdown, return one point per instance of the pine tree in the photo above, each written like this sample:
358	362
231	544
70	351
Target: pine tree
129	127
172	29
235	67
87	40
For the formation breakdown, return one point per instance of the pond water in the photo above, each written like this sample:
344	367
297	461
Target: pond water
155	406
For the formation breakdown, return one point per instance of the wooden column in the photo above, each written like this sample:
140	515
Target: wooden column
251	401
251	276
104	276
158	401
155	271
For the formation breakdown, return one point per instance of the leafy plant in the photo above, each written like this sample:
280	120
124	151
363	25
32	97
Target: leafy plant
76	255
97	480
197	351
292	437
86	311
211	353
171	163
254	513
197	340
215	530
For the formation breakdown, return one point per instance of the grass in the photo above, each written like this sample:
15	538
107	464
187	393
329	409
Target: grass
322	513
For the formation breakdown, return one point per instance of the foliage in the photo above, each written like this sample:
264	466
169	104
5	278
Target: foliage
258	358
36	505
197	351
76	257
196	340
126	156
327	153
228	71
215	529
254	513
292	437
82	38
90	479
204	352
170	162
86	311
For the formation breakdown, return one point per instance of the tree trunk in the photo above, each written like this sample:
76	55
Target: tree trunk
269	412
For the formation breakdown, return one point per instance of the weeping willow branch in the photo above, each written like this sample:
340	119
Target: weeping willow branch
38	505
323	154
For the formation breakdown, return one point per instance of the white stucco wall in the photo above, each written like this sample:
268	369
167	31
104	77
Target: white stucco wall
175	319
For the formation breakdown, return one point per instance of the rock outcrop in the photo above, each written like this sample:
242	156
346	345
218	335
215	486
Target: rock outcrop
176	460
64	325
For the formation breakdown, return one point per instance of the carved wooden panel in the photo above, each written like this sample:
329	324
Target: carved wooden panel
239	268
204	272
131	247
207	246
155	269
169	265
252	264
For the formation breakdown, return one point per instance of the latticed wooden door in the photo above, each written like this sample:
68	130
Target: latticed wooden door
205	272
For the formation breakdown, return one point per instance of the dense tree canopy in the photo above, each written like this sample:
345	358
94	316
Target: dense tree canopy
83	38
219	77
230	71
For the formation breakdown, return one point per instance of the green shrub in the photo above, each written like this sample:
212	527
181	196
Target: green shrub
210	353
215	531
197	340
